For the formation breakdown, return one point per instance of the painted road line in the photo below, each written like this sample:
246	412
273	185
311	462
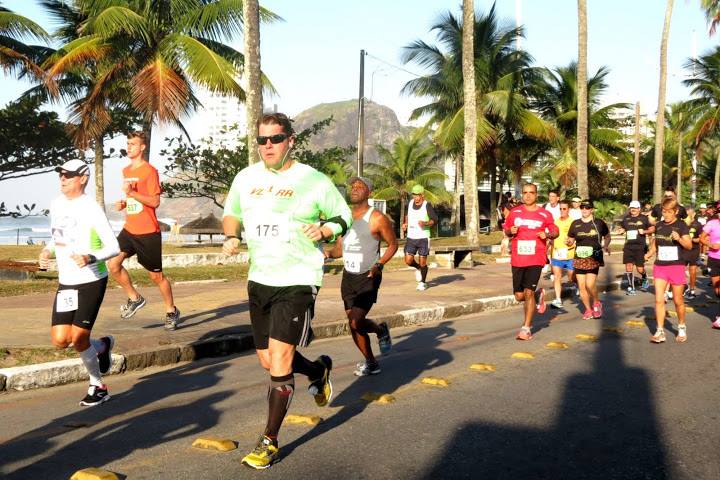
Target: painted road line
635	323
215	443
437	381
381	398
672	313
523	355
586	337
557	346
483	367
311	420
93	474
617	330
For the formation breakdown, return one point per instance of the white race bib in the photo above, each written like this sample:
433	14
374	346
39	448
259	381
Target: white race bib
631	234
584	252
526	247
667	253
353	262
66	301
271	227
132	206
560	253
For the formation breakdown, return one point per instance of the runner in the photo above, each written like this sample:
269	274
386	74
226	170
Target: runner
635	227
279	203
529	226
419	219
710	237
692	256
141	233
671	234
362	275
702	215
656	212
553	204
587	234
562	256
575	212
81	241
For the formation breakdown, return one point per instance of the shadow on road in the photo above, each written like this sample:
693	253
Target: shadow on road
214	314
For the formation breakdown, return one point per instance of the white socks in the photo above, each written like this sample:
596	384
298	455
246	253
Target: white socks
92	365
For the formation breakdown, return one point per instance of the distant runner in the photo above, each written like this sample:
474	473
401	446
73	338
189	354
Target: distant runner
635	227
692	256
562	255
419	219
710	237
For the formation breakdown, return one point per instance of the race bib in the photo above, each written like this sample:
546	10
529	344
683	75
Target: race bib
271	227
631	234
667	253
560	253
132	206
702	220
584	252
66	301
526	247
353	262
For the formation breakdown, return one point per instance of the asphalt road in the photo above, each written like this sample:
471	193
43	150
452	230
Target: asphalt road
618	408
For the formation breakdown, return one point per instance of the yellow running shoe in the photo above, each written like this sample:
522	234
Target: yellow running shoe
321	388
263	456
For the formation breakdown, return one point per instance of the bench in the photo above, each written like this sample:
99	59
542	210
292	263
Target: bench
454	256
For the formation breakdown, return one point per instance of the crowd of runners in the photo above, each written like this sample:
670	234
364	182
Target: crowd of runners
293	219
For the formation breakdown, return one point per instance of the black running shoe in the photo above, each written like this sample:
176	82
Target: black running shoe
131	307
171	319
95	396
105	358
384	340
321	388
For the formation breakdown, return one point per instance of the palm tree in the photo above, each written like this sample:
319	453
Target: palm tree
16	56
470	120
660	130
253	87
582	102
712	12
411	160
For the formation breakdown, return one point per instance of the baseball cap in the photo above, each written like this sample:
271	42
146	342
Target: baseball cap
75	166
703	205
418	190
576	199
634	204
587	203
368	183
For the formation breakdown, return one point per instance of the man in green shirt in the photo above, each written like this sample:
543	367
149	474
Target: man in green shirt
280	204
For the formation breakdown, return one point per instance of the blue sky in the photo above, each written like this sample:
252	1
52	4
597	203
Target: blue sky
312	57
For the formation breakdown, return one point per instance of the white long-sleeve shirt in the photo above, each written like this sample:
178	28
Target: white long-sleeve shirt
79	226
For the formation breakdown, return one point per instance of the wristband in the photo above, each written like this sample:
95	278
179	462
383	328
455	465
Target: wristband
379	266
228	237
91	259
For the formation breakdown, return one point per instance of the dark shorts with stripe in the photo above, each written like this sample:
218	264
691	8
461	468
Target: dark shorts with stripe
90	297
417	246
281	313
634	253
148	248
359	291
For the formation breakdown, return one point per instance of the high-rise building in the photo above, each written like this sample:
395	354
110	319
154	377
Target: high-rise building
216	117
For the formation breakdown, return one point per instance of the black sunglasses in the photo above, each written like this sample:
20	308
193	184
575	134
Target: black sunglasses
70	174
586	207
274	139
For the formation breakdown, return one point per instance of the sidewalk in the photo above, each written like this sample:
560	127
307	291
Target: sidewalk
215	318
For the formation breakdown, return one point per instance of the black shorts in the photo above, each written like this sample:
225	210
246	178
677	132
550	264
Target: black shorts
89	299
691	256
526	277
713	265
420	246
281	313
634	254
359	291
593	271
148	248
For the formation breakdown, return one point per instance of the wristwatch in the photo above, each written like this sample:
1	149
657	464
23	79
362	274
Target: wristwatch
91	259
379	266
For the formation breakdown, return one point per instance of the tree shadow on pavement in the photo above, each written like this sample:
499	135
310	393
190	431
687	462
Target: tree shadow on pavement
121	431
445	279
214	314
420	354
606	427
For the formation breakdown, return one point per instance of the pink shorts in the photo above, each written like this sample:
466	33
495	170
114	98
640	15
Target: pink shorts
672	274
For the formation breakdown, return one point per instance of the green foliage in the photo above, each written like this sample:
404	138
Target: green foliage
608	210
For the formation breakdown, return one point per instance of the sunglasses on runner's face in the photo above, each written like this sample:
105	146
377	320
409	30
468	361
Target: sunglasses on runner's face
564	208
274	139
70	174
585	207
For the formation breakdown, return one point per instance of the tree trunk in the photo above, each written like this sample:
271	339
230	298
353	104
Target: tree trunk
660	120
678	188
716	180
455	215
147	130
493	191
403	209
253	83
470	119
582	106
636	161
99	172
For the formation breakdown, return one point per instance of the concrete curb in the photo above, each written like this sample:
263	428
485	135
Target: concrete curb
66	371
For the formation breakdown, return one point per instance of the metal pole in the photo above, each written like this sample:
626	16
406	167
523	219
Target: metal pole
694	180
361	116
679	161
636	160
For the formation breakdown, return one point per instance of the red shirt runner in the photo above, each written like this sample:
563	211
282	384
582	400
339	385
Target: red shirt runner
527	250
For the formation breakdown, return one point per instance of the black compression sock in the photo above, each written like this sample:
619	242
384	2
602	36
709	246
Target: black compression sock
423	272
303	366
630	279
281	393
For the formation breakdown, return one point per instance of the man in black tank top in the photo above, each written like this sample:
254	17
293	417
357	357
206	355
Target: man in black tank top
360	249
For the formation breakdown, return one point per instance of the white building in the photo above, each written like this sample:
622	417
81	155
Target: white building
214	119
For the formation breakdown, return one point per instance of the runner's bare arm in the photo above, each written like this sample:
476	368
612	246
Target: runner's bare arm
152	201
231	229
382	226
336	250
685	241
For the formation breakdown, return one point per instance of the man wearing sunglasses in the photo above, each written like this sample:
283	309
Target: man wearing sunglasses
280	203
656	212
81	241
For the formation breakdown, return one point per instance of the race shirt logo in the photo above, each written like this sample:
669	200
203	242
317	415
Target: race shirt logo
281	193
531	224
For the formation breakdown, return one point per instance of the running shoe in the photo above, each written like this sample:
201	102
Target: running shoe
682	334
321	388
588	315
690	294
659	336
541	306
131	307
669	294
95	396
716	323
421	286
524	334
363	369
105	358
557	303
645	285
418	275
263	456
384	340
631	291
597	309
171	319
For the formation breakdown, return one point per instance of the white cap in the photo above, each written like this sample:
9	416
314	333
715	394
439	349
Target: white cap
703	205
634	204
75	166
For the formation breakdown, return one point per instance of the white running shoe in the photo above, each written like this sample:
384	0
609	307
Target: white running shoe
421	286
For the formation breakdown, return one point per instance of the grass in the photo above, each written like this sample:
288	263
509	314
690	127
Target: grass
18	356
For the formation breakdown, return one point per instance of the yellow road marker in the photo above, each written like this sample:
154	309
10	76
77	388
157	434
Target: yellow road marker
311	420
523	355
93	474
437	381
381	398
557	346
482	367
635	323
462	338
672	313
586	337
613	329
688	308
215	443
